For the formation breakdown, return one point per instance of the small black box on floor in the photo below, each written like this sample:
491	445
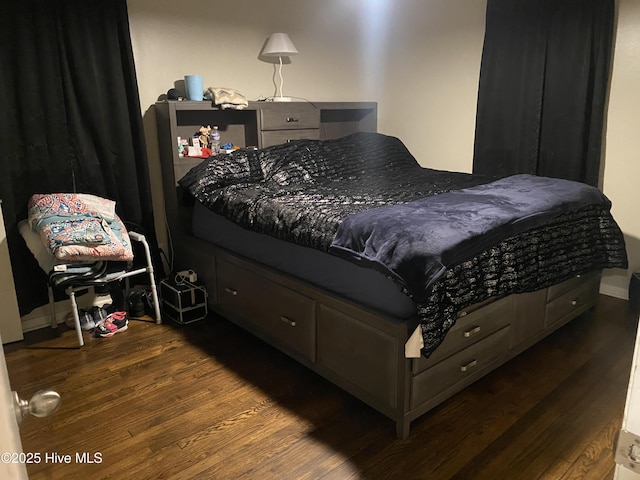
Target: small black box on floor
183	302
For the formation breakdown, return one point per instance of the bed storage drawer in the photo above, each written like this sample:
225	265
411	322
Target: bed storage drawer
469	329
576	300
560	289
282	315
466	365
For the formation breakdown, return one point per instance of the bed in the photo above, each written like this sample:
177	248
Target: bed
313	247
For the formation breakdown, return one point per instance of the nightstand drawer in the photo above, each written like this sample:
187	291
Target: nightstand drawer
281	314
290	118
276	137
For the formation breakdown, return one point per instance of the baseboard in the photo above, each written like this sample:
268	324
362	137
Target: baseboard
40	318
613	291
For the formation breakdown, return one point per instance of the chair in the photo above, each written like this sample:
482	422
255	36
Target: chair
72	277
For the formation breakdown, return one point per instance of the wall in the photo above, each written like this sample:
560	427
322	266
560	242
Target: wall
622	150
419	59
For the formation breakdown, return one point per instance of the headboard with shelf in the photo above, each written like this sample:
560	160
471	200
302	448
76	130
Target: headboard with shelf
260	124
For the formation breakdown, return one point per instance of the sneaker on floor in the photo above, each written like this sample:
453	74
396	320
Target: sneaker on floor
114	323
87	321
99	314
69	320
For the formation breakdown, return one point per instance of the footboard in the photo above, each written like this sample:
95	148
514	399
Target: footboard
362	351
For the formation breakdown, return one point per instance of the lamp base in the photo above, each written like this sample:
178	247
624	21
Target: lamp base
282	99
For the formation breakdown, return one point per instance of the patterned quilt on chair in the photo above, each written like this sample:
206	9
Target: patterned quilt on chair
79	227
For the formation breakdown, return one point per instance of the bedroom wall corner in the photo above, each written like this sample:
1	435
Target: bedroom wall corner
621	179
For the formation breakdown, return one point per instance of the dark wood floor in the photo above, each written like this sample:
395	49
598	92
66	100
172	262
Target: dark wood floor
209	401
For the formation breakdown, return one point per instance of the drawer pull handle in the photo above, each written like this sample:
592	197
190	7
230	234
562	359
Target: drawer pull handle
293	119
231	291
575	301
468	366
288	321
474	331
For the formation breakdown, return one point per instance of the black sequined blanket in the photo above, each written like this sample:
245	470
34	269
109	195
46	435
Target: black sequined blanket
303	191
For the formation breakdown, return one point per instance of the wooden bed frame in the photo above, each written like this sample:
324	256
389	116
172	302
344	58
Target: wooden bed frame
356	348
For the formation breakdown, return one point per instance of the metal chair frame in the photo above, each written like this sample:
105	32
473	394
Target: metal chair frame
80	279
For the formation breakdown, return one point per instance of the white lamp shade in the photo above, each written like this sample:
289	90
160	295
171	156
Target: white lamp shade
279	45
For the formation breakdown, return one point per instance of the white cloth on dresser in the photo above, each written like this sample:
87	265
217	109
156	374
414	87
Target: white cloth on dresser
413	346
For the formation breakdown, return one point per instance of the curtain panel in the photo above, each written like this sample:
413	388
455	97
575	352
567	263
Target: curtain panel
543	88
71	119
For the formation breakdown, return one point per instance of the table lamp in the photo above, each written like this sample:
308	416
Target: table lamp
279	45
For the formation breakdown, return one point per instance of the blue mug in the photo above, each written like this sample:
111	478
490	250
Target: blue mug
194	87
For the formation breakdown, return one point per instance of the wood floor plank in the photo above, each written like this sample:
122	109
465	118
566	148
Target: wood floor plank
570	414
210	401
595	460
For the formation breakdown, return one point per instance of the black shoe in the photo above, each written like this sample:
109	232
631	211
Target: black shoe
135	304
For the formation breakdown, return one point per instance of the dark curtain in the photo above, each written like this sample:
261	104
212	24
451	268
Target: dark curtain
543	88
70	119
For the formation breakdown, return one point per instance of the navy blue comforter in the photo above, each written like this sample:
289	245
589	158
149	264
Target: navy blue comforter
416	242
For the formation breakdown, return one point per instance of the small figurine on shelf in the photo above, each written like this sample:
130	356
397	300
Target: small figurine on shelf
204	136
